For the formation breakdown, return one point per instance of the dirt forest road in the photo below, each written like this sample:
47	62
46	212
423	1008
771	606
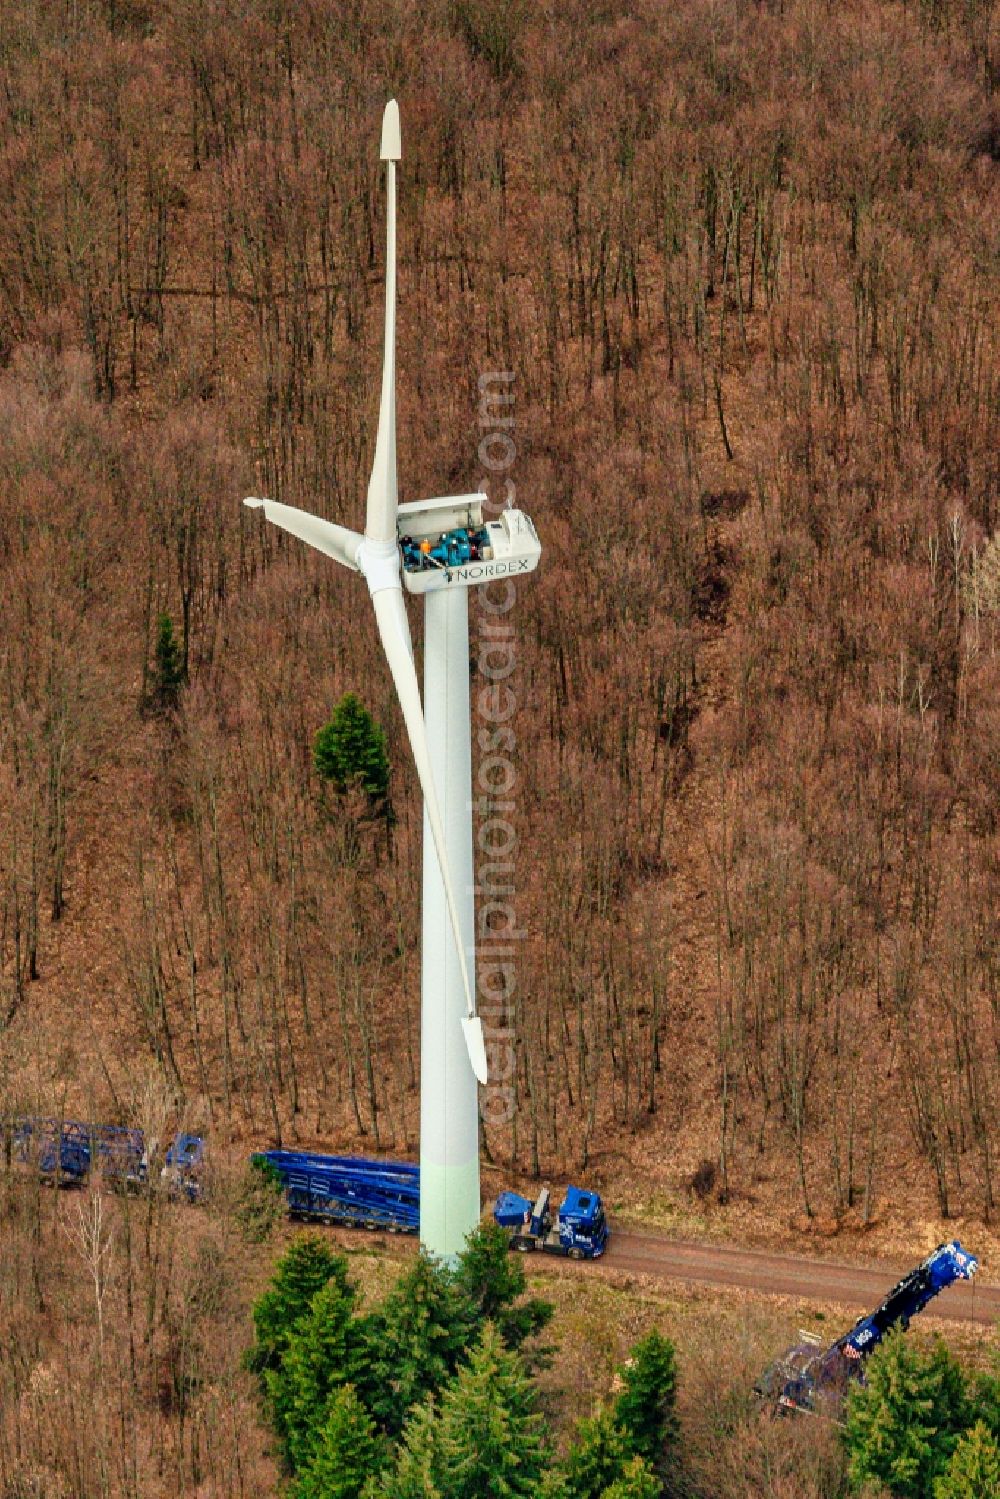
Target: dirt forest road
853	1286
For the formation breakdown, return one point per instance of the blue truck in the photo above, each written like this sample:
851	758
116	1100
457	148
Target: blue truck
579	1229
66	1152
808	1378
365	1193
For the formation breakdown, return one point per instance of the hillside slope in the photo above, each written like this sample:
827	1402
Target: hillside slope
741	264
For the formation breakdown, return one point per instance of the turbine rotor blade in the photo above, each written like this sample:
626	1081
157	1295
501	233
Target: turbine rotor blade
380	520
394	630
336	541
475	1044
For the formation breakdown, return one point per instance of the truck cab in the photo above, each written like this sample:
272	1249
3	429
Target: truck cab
582	1224
183	1166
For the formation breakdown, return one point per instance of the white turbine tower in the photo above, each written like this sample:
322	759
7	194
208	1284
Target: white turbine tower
447	548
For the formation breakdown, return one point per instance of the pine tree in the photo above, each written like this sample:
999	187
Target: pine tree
489	1442
413	1343
638	1481
417	1461
303	1269
169	676
350	750
315	1362
986	1398
646	1407
488	1273
902	1426
347	1451
974	1469
598	1457
493	1280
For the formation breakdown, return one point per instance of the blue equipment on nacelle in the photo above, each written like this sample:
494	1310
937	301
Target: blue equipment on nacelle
452	549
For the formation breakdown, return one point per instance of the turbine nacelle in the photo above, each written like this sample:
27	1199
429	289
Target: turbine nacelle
448	543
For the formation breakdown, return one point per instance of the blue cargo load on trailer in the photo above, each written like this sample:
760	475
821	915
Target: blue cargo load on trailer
578	1230
58	1149
68	1150
350	1165
353	1190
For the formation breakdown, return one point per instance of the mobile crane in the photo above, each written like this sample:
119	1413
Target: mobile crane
808	1379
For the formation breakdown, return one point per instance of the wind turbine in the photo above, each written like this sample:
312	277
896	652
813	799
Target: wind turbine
440	548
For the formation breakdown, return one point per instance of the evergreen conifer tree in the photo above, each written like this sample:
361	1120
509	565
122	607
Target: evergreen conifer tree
303	1269
413	1343
493	1280
260	1205
350	750
488	1273
598	1457
347	1451
986	1398
638	1481
902	1426
414	1475
489	1442
169	675
316	1361
645	1408
974	1469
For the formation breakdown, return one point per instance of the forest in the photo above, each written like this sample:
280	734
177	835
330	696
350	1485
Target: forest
709	289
